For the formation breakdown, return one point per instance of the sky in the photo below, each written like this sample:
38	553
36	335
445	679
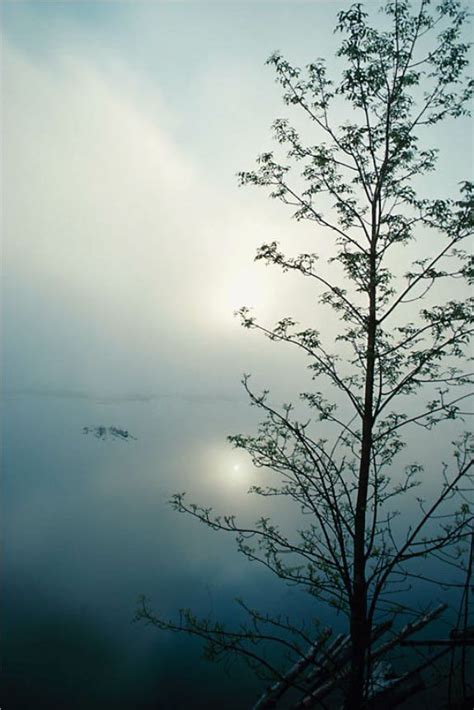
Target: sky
125	126
127	245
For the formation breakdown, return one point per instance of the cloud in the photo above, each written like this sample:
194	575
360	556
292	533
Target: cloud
118	251
127	245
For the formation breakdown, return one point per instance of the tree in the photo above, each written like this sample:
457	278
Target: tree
393	369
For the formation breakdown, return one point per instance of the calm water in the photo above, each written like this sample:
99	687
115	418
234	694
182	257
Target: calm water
87	528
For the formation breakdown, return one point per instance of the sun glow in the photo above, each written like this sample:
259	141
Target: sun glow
230	469
245	287
238	473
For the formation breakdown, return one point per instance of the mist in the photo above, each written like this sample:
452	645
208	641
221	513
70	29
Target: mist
127	247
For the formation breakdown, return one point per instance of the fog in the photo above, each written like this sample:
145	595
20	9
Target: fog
126	248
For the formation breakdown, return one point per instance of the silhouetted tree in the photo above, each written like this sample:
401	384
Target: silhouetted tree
398	358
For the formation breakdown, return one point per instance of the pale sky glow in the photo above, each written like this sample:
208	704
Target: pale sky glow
102	205
122	218
124	127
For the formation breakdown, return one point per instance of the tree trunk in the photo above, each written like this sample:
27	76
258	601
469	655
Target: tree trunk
359	623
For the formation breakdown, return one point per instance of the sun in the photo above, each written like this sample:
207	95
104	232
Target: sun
242	287
238	473
228	469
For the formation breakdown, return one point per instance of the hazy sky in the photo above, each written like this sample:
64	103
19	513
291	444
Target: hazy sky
127	246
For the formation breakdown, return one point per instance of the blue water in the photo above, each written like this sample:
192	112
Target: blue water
87	529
